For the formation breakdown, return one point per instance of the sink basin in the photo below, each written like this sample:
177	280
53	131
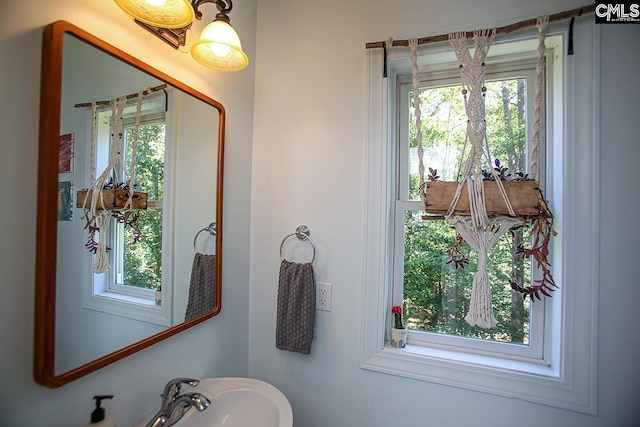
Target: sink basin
239	402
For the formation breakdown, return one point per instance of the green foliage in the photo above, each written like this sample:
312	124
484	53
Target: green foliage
150	155
143	259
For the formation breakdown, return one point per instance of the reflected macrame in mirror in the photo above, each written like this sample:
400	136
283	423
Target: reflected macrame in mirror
130	172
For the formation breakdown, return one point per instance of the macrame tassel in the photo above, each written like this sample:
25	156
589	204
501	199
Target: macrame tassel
481	309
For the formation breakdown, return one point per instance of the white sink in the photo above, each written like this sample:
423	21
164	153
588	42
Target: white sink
239	402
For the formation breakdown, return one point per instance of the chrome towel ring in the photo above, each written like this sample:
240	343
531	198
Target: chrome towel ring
302	233
211	229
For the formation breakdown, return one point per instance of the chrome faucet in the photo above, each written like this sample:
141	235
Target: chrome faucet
175	405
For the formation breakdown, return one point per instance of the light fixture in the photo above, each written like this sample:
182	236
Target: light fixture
159	13
219	46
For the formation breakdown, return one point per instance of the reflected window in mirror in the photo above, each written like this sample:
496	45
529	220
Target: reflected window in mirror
136	242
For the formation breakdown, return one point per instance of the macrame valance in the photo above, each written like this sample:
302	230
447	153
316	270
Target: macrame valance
482	220
507	29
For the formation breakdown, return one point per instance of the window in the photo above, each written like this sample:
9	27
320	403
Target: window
435	293
550	359
133	285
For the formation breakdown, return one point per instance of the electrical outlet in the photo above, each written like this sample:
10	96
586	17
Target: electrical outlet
323	297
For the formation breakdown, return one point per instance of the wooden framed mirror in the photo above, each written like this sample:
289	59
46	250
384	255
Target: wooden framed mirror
87	317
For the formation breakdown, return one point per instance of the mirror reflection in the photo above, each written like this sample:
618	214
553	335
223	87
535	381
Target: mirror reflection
137	253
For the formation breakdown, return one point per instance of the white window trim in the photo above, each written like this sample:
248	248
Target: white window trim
570	381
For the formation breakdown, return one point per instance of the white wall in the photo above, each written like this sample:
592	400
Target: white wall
309	156
216	347
308	167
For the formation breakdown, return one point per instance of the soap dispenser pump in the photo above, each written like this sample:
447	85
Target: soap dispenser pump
98	417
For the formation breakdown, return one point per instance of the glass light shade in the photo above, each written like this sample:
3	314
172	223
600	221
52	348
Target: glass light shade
159	13
219	48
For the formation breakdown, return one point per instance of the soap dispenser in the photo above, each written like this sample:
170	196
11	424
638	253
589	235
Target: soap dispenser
98	417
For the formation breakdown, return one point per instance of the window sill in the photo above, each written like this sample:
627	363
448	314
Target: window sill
130	299
508	378
423	354
127	306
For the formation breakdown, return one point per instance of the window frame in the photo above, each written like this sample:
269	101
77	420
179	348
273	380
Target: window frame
537	351
569	381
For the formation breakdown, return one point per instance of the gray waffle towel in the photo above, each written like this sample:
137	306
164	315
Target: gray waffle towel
202	289
296	311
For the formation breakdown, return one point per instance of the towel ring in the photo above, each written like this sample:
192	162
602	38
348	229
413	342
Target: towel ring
302	233
211	229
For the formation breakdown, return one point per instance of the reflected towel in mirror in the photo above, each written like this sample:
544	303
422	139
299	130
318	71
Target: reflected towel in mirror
202	296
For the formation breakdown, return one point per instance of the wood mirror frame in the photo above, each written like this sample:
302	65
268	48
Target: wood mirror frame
47	228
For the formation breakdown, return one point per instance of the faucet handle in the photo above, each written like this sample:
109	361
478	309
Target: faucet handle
198	401
173	387
184	380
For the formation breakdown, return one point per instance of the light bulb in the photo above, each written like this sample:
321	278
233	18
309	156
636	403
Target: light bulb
156	3
219	49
